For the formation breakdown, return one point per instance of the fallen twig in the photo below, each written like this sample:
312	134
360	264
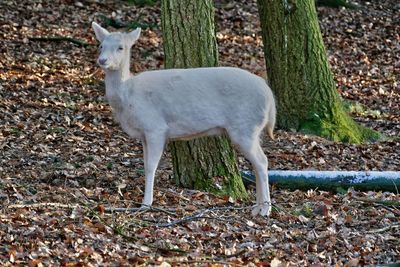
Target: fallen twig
380	230
390	205
175	194
42	205
206	262
200	215
184	220
61	39
392	210
149	208
119	232
393	203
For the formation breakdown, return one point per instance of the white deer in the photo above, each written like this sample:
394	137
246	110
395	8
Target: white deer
179	104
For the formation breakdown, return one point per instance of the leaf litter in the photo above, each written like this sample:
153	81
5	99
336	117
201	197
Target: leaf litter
71	180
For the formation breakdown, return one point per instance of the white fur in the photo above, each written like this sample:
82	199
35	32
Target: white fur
156	106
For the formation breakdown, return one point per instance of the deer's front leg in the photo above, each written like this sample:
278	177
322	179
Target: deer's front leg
153	147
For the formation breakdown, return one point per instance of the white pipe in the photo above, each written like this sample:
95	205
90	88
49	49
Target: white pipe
332	180
356	176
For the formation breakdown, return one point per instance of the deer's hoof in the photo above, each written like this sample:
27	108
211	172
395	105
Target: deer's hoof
262	209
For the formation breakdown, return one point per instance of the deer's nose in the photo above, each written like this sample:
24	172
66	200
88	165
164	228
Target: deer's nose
102	61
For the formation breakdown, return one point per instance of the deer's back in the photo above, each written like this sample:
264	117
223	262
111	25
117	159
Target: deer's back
199	99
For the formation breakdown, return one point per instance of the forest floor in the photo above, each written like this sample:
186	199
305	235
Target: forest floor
65	166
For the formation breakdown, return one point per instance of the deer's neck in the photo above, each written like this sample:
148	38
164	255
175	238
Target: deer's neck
114	81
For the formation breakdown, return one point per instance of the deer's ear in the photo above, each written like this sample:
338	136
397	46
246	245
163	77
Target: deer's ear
100	32
134	35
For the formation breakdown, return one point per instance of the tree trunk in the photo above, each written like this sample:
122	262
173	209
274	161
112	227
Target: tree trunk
189	41
299	73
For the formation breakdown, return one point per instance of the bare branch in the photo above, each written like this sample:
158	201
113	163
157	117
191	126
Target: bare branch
60	39
384	229
42	205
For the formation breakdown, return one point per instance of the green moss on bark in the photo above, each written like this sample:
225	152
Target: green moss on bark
338	127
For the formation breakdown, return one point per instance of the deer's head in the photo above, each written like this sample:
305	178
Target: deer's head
114	47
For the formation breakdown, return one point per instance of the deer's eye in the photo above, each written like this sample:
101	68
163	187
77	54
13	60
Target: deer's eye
120	48
100	47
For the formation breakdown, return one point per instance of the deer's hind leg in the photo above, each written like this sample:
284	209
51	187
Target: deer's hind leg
249	144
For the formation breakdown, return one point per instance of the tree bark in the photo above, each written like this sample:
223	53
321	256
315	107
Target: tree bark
300	75
189	41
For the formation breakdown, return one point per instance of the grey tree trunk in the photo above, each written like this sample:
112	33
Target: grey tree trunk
189	41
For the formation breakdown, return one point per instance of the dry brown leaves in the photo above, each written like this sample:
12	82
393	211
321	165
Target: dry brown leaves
64	162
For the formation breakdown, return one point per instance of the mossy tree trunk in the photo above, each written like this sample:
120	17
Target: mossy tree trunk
300	75
189	41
